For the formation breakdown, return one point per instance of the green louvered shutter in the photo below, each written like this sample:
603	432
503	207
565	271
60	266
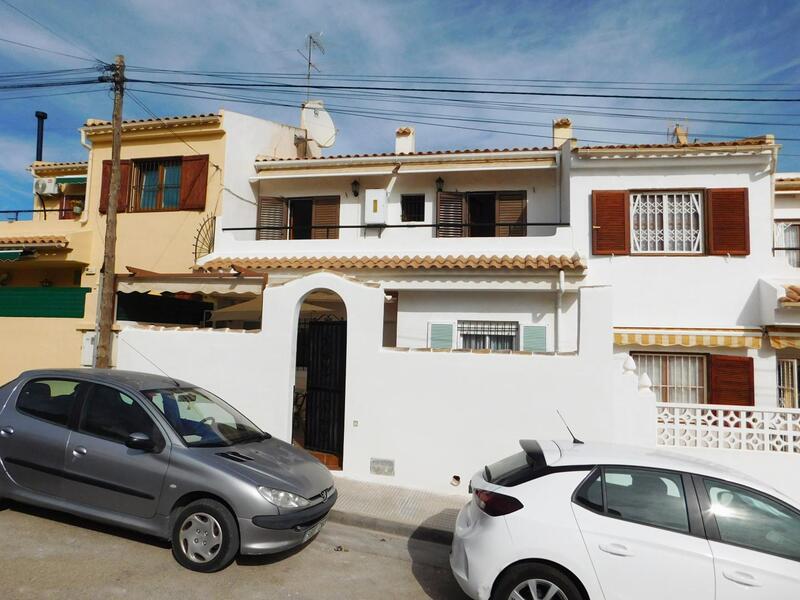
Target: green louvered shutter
534	338
441	335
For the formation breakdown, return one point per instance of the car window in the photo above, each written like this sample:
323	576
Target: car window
50	399
113	415
749	519
646	496
590	494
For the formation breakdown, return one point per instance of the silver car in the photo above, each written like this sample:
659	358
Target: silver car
159	456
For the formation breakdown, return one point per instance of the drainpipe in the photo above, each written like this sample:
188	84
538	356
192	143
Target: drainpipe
557	328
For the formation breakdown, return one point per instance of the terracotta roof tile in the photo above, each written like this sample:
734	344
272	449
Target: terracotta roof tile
34	240
44	165
761	140
528	262
177	118
421	153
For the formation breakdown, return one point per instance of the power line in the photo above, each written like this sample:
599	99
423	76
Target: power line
43	26
144	107
227	85
46	50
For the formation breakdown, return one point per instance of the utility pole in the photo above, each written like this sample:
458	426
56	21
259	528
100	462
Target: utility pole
108	281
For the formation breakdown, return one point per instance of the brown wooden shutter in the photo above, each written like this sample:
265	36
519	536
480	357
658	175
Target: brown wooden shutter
611	225
124	186
730	380
325	211
450	212
511	207
194	182
727	221
272	212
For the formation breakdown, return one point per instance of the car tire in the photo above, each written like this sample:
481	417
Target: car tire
544	576
205	536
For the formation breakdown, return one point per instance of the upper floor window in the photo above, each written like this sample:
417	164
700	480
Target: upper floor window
298	218
788	239
481	214
412	208
157	184
66	210
667	222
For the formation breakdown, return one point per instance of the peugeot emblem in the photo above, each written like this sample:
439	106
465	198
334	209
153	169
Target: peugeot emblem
324	495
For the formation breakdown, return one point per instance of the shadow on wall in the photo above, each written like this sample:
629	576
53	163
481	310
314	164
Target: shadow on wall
429	546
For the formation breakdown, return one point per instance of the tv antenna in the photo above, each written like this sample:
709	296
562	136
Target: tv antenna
563	420
313	40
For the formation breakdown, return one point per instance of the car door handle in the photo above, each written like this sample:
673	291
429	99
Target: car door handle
616	549
742	578
79	451
7	431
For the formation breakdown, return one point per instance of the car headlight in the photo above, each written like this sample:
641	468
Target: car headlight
281	498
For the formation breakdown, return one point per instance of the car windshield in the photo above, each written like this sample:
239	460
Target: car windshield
202	419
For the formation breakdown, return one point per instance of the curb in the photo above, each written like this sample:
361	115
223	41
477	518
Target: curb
412	532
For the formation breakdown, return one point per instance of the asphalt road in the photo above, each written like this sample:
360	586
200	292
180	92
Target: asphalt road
50	555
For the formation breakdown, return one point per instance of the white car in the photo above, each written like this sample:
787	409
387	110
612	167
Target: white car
573	521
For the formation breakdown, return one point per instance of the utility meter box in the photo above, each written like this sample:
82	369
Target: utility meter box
375	207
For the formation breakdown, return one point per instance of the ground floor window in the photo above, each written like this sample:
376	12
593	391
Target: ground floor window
787	383
679	378
489	335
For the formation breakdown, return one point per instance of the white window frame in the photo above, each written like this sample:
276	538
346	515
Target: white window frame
792	257
664	388
487	322
656	232
787	388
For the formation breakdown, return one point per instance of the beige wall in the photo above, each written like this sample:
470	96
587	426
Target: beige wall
37	343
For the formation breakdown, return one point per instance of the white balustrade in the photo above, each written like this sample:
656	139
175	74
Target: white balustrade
728	427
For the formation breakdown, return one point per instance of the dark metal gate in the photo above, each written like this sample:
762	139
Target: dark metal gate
327	352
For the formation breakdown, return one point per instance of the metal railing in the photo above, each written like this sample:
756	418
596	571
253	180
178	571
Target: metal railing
26	211
728	427
436	226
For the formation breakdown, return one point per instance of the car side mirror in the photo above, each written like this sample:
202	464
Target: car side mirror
140	441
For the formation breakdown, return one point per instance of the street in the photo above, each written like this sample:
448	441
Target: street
52	555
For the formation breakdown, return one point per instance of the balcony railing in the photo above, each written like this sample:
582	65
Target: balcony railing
728	427
435	226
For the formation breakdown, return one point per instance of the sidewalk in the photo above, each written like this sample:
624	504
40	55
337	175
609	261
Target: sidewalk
397	510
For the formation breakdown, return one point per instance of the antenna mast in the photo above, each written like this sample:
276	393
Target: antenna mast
313	41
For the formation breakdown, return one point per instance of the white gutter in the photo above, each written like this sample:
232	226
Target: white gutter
401	159
557	328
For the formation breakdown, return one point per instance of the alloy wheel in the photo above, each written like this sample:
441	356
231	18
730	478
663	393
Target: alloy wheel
537	589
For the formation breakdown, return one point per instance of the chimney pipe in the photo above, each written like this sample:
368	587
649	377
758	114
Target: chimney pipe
40	117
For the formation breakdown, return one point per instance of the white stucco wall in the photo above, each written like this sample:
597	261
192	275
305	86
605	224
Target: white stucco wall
416	309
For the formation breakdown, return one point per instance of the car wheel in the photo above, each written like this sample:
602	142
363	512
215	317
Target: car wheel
534	582
205	536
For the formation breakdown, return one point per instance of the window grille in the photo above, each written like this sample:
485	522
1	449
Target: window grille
675	377
488	335
412	208
667	222
787	383
157	185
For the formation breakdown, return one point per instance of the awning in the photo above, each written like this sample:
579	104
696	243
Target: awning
72	179
251	311
10	255
229	286
780	340
688	338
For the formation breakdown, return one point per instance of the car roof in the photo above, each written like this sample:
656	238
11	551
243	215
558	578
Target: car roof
131	379
560	453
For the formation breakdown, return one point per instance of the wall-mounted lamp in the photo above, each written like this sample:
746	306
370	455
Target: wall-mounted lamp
439	184
356	187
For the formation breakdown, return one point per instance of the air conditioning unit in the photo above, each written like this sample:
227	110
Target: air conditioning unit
45	186
375	206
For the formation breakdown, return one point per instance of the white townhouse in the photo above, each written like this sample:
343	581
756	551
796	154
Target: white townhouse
422	311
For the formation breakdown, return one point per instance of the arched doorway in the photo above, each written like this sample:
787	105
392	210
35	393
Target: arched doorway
320	373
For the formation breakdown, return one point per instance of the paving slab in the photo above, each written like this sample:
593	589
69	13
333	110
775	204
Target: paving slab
397	510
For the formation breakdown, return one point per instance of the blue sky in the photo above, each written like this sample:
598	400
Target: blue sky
639	41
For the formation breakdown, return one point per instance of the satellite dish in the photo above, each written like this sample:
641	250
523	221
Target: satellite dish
317	123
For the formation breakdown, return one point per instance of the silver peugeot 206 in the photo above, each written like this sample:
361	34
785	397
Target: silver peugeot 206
159	456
